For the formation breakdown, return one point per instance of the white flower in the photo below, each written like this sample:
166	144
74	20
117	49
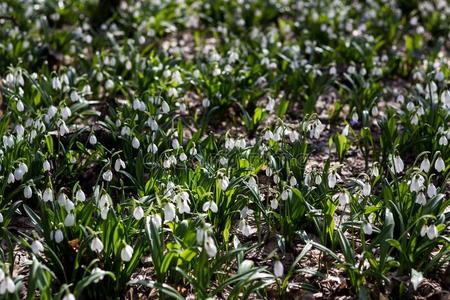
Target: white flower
420	199
431	190
92	139
165	107
7	285
443	141
47	195
138	213
66	113
439	165
183	157
107	176
63	129
425	165
318	179
135	143
27	192
96	245
46	166
285	195
206	103
69	221
119	164
432	232
366	189
80	195
20	107
183	207
274	204
210	205
58	236
224	183
11	178
175	144
69	296
127	253
246	229
416	183
1	218
210	247
367	227
109	85
331	180
293	181
169	212
398	164
278	269
37	247
344	199
74	96
423	230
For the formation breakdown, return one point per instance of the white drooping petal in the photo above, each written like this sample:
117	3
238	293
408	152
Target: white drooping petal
37	247
169	212
278	269
439	165
138	213
331	180
224	183
367	227
432	232
431	190
96	245
127	253
80	195
210	247
107	176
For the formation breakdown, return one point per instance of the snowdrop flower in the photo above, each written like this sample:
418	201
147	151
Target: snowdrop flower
318	179
420	199
423	230
138	213
183	157
425	165
20	107
20	171
7	285
169	212
46	166
165	107
11	178
1	218
210	246
135	143
431	190
152	148
398	164
58	236
224	183
69	296
80	195
66	113
109	85
27	192
96	245
293	181
37	247
107	176
47	196
119	164
432	232
183	207
92	139
439	165
206	103
63	129
278	269
74	96
69	221
210	205
175	144
285	195
246	229
343	197
416	183
332	180
367	228
274	204
366	189
56	83
127	253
